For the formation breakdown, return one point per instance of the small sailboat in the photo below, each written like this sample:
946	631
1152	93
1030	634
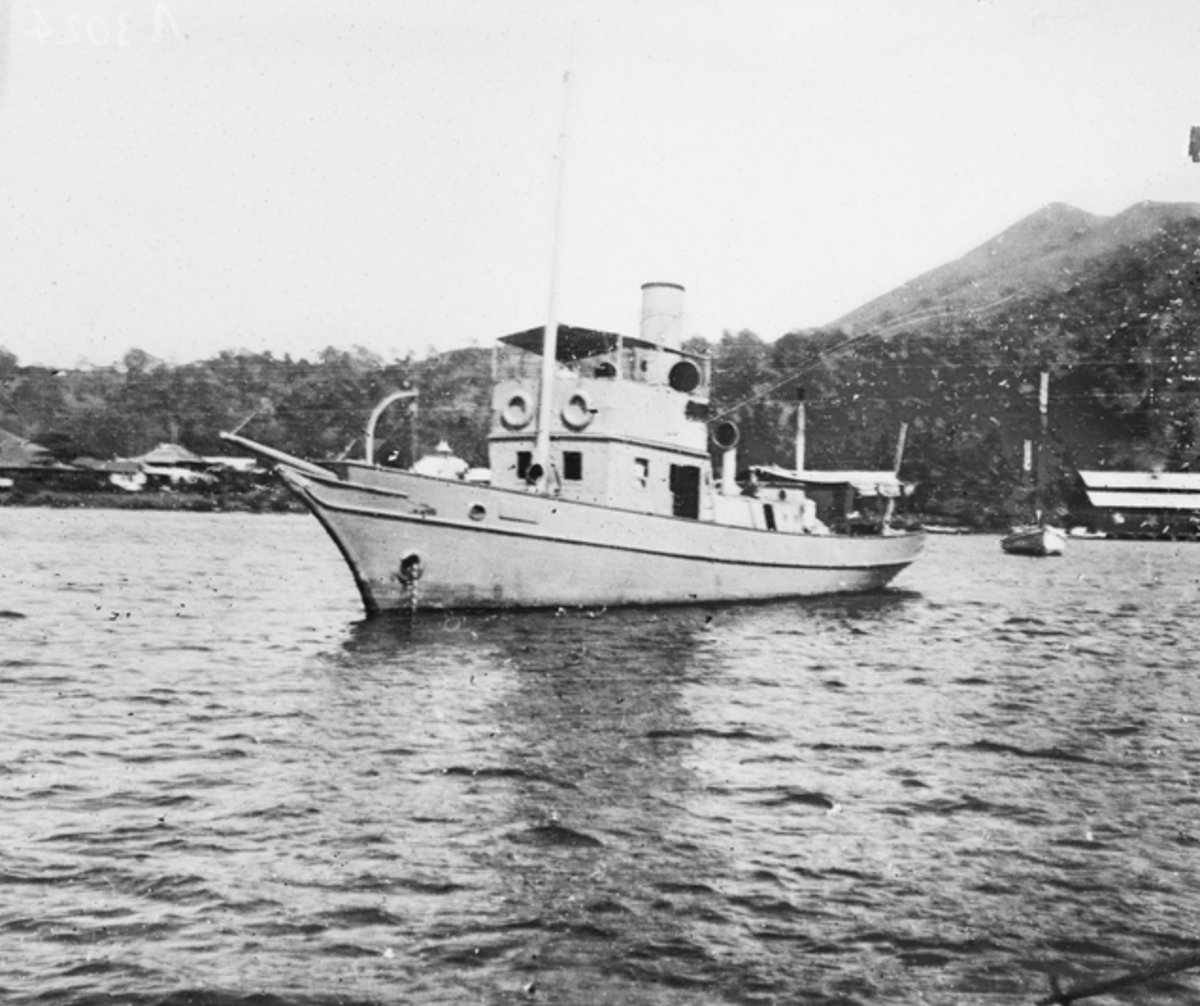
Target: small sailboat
1037	538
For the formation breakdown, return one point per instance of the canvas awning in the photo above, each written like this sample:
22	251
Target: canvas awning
581	343
864	482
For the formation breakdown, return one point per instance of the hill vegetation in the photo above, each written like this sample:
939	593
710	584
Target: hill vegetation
1106	305
310	408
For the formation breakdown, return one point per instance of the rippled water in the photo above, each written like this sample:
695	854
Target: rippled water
219	785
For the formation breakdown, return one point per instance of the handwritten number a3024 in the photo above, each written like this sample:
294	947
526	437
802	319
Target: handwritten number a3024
98	30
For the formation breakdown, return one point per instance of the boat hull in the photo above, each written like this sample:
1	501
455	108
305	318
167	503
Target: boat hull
418	542
1035	541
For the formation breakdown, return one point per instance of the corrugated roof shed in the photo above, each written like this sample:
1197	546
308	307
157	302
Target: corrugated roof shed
1142	490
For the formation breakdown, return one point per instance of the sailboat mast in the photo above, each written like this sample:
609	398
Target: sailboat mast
1044	401
550	336
1043	426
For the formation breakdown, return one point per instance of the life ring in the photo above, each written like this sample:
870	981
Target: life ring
578	413
517	412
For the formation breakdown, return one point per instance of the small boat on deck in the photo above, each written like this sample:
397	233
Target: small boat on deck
602	492
1036	540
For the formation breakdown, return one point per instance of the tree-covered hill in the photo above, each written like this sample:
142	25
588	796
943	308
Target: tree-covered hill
1107	306
1055	250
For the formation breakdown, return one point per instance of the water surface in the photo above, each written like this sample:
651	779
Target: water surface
220	785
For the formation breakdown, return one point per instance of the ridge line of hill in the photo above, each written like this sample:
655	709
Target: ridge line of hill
1051	249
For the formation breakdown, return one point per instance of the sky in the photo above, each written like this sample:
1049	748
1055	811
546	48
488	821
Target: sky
192	176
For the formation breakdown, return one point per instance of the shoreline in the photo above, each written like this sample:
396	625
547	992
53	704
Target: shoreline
260	501
279	500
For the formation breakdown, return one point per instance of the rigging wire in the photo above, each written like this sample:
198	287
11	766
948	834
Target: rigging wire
788	378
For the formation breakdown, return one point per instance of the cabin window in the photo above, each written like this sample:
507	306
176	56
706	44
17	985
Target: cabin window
524	460
573	466
685	491
641	472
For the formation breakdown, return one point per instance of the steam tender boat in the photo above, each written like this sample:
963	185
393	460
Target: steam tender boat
601	493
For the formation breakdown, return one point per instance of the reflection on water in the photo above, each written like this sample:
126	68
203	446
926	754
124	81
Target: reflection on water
219	781
583	784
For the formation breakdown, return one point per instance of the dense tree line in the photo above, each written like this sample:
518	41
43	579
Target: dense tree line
311	408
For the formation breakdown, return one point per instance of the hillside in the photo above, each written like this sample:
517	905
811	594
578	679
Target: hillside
1106	305
1055	250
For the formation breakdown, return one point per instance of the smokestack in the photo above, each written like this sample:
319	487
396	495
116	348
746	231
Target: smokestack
662	314
729	485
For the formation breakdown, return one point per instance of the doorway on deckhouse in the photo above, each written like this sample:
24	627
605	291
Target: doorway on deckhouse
685	491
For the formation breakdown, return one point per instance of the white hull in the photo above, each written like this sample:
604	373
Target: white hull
482	547
1035	541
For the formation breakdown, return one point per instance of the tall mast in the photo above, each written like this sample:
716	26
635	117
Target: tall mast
550	336
1043	429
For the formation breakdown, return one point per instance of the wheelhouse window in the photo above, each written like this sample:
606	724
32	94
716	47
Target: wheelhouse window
573	466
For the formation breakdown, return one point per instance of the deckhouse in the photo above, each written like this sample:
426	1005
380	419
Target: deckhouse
629	415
